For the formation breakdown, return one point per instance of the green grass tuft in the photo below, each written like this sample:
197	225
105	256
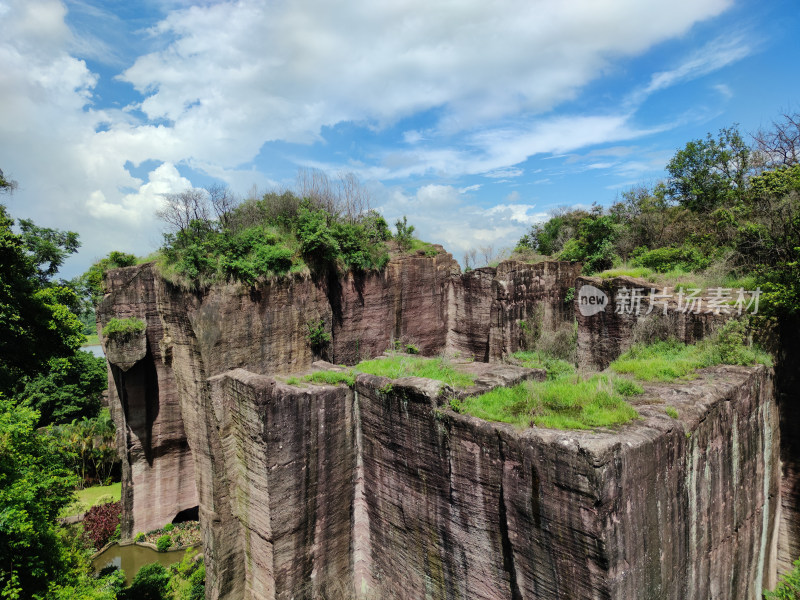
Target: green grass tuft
416	366
330	378
638	272
671	411
570	402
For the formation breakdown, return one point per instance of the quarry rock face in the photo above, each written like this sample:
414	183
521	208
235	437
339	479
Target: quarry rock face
609	311
382	491
143	400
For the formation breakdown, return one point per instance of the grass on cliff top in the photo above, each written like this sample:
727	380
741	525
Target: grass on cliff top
123	328
325	377
569	402
671	360
401	365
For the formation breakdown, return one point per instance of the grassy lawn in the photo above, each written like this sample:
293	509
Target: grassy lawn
394	367
92	340
325	377
569	402
88	497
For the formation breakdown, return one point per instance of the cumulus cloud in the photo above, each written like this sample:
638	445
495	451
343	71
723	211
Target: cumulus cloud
440	213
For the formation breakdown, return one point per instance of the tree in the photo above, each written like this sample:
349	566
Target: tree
34	486
405	234
710	173
150	583
47	248
181	209
69	389
6	185
548	238
222	202
780	145
36	321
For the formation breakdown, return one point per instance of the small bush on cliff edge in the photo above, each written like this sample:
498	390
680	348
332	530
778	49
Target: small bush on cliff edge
123	329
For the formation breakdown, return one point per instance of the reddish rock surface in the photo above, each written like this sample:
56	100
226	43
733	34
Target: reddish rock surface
158	479
383	492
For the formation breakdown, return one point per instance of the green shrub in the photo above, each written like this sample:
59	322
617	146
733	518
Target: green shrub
123	329
150	583
788	587
318	337
671	411
163	543
626	387
556	368
140	537
169	527
93	278
664	260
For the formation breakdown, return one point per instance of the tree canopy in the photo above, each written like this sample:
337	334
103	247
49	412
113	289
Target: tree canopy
36	321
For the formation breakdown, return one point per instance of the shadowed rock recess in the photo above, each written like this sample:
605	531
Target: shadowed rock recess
382	491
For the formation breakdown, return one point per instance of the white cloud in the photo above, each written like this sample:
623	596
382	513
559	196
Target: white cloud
715	55
232	75
439	213
504	173
142	204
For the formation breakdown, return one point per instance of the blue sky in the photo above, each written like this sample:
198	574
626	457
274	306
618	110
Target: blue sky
473	118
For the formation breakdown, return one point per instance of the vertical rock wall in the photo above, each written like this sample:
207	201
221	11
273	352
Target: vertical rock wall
144	402
383	492
192	336
302	490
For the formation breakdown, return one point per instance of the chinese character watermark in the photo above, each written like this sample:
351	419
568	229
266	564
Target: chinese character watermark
717	301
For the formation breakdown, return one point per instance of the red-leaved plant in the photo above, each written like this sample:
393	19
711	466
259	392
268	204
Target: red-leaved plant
100	523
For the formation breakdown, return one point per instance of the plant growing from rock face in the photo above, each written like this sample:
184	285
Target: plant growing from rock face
122	330
318	337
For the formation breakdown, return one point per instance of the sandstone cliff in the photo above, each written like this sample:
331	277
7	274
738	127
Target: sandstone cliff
383	492
370	493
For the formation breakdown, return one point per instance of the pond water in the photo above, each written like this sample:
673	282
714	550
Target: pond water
97	350
133	557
